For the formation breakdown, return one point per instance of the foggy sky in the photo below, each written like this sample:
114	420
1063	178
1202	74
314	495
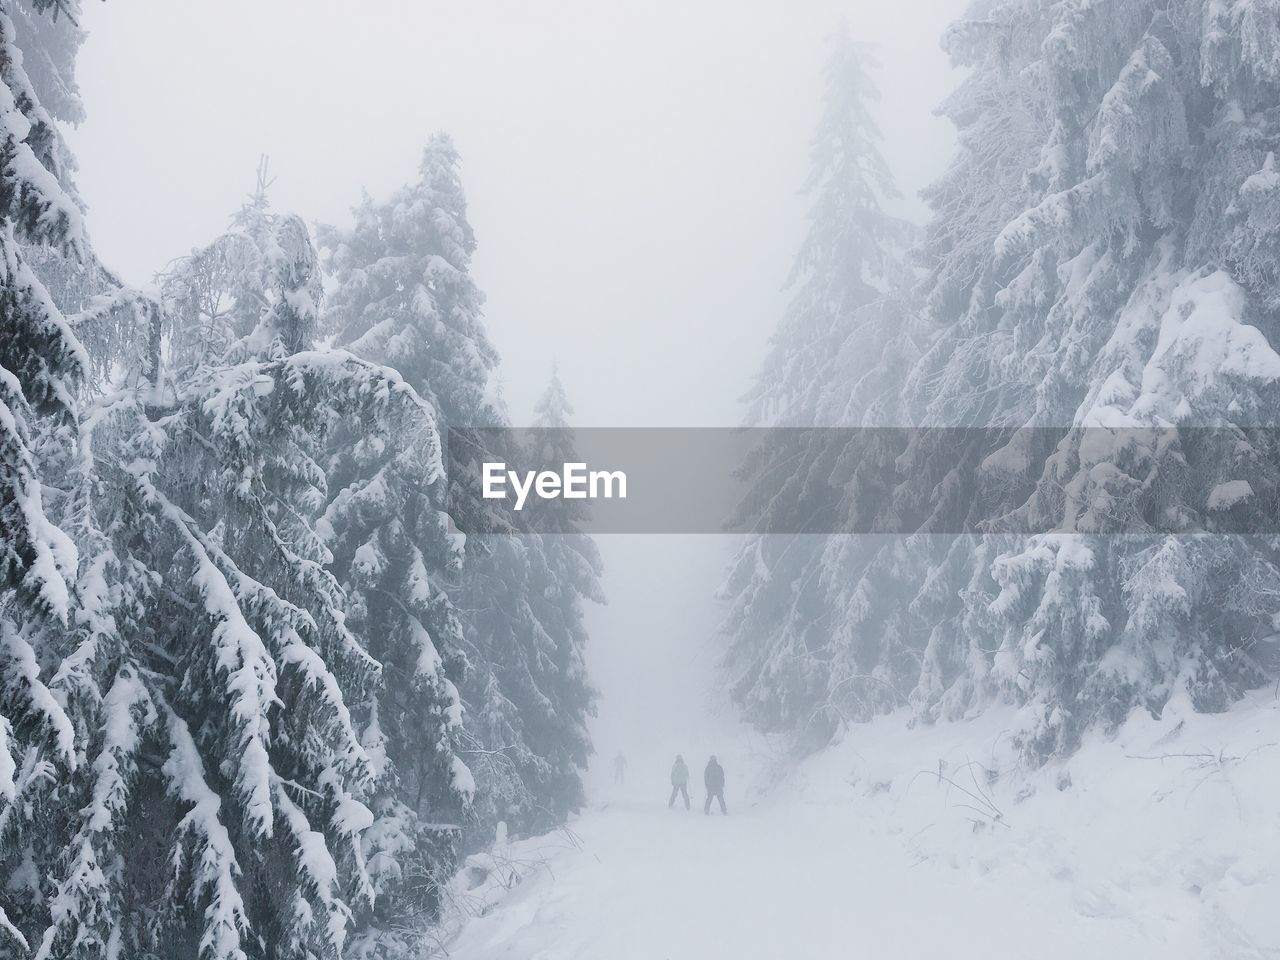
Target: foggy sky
632	168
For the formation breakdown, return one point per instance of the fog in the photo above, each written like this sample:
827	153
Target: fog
634	179
1001	680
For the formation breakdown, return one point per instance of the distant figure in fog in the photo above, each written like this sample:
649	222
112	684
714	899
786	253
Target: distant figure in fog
713	777
679	782
619	768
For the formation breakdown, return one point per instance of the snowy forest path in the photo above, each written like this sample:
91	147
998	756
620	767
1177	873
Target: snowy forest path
638	881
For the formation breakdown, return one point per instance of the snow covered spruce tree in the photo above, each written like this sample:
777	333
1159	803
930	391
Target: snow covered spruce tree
528	694
826	367
40	357
72	691
405	297
405	292
43	480
567	571
508	689
1101	295
1098	270
224	812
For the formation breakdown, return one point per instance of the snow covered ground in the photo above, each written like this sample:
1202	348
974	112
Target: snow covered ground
898	843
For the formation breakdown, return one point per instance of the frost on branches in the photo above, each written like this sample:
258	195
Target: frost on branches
42	364
478	646
238	694
842	342
234	728
219	703
404	298
1123	288
1101	257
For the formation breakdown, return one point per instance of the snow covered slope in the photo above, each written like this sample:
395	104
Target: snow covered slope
900	843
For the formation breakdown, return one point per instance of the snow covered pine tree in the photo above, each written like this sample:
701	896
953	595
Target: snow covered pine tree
568	572
405	297
1095	266
229	724
831	350
1100	265
42	364
224	745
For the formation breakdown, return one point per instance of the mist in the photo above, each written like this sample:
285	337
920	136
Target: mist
316	640
635	178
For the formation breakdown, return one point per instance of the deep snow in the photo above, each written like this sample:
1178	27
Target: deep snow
1161	842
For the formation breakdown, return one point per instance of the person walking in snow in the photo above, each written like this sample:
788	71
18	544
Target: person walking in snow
679	782
619	768
713	777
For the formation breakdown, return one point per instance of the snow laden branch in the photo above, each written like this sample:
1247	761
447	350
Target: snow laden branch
1101	258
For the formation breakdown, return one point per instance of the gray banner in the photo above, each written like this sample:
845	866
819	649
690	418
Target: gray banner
875	480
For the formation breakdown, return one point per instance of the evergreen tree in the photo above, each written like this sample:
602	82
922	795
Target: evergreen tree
402	279
568	571
823	369
230	723
1101	293
223	811
39	354
405	293
1114	291
527	716
41	366
405	297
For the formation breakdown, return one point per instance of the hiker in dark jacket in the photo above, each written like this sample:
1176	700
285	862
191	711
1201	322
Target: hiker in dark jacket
713	777
679	782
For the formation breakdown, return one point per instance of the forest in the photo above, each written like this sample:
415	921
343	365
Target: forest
261	700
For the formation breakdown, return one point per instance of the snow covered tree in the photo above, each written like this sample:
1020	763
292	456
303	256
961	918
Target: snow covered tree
822	370
40	356
567	572
223	812
525	719
404	297
405	294
850	257
42	364
388	535
230	725
1099	290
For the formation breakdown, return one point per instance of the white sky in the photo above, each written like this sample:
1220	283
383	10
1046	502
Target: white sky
633	173
632	168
